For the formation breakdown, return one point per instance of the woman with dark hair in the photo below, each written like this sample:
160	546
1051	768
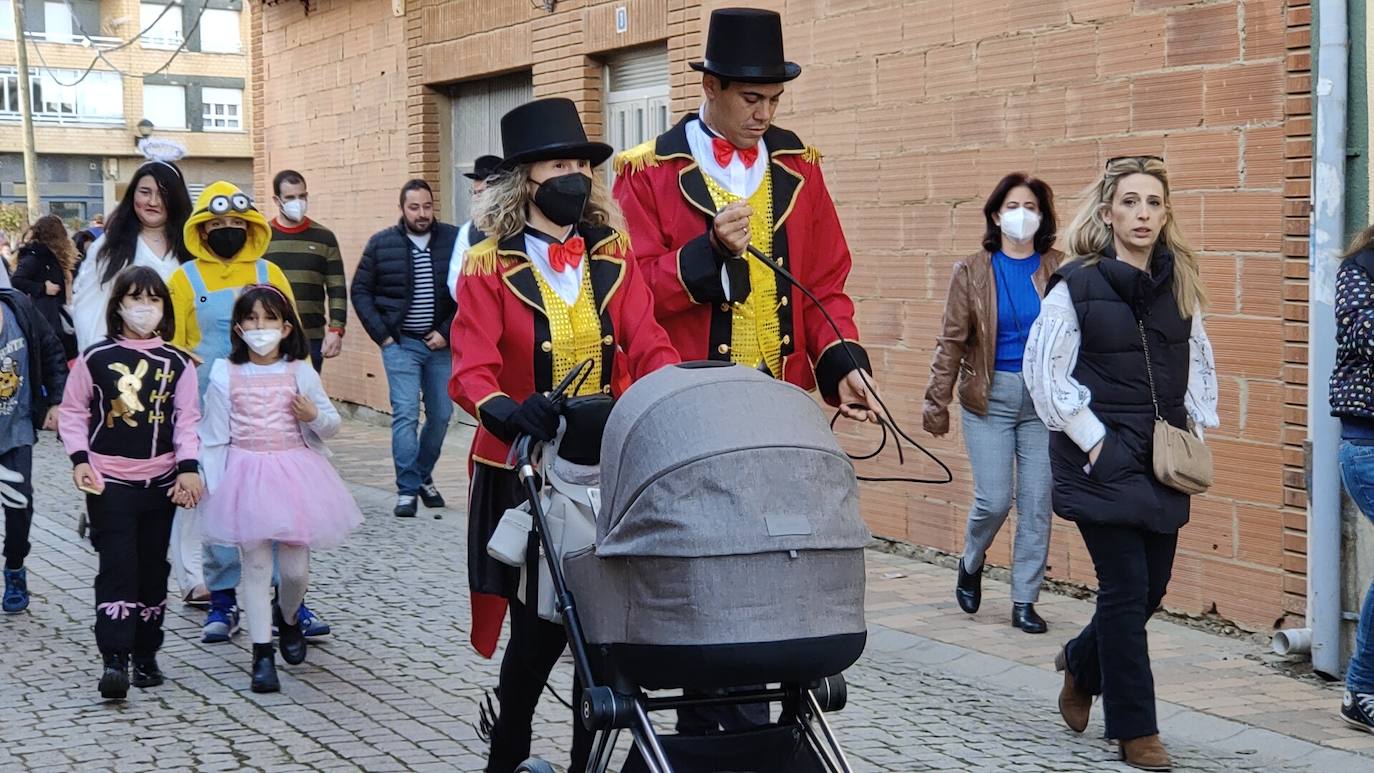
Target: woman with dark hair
1352	380
44	273
144	230
994	298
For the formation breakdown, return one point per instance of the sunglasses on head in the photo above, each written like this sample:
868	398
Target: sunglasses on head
1115	159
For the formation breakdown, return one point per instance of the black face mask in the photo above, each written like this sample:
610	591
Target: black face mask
226	242
562	199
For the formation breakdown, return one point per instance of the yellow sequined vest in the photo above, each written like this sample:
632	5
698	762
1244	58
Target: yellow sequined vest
754	334
575	331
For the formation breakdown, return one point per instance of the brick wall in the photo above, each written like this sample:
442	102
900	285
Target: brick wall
333	107
919	108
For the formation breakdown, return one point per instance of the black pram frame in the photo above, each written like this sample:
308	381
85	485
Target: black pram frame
802	731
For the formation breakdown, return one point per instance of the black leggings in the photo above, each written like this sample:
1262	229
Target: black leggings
531	654
130	527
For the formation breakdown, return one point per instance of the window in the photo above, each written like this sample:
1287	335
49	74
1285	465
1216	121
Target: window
221	110
6	20
163	25
57	22
636	97
97	98
219	32
165	106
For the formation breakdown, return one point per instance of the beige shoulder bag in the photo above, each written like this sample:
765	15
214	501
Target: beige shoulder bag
1181	460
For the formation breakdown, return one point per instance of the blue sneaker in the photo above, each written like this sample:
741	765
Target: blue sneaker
16	597
222	621
311	625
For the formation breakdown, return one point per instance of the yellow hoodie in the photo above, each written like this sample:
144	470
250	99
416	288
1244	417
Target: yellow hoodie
217	273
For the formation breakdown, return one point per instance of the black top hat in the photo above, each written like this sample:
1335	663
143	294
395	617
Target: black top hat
745	44
483	167
545	129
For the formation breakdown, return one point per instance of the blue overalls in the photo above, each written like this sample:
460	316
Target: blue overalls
215	318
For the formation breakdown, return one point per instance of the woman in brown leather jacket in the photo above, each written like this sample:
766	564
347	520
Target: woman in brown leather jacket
994	298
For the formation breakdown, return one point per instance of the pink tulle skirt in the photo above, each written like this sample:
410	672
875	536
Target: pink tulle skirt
291	496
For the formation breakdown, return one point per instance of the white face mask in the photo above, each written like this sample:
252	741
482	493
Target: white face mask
263	341
294	210
141	318
1020	223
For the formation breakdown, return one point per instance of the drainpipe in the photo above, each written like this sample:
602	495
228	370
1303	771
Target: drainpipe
1323	431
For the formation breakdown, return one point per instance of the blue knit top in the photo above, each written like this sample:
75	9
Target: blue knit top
1018	304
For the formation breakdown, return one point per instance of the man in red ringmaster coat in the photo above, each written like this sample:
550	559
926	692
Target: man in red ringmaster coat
725	179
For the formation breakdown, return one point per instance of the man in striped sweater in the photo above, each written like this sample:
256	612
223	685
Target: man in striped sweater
308	254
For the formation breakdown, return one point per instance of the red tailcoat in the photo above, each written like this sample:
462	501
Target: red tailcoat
502	347
669	210
503	353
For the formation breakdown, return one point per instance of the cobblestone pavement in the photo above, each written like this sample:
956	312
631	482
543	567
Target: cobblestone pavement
397	687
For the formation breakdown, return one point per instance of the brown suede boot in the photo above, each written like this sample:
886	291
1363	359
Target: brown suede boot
1074	704
1146	753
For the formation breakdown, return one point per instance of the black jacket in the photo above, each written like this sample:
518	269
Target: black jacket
382	284
1121	490
47	360
37	265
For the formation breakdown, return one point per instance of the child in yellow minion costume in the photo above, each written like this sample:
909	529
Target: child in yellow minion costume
228	237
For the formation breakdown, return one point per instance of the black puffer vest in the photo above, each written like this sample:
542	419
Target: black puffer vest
1110	296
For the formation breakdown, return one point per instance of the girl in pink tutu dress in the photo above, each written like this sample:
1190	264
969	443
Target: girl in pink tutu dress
266	467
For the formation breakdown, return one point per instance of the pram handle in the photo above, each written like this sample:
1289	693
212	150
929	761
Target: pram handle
523	447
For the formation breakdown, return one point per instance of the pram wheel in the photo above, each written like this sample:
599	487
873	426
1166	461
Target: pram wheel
831	693
535	766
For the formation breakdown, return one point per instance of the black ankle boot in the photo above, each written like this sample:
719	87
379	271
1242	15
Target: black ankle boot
146	671
969	591
1024	616
265	668
289	637
114	682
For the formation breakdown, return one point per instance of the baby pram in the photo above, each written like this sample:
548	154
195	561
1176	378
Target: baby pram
729	552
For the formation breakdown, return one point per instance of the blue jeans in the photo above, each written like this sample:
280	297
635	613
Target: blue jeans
414	373
1357	470
222	569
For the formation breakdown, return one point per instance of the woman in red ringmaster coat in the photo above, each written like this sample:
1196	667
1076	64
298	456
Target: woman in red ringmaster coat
553	285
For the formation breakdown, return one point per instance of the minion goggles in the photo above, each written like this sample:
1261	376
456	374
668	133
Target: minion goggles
220	206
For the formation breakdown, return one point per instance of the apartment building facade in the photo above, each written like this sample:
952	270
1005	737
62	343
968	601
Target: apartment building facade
918	106
99	68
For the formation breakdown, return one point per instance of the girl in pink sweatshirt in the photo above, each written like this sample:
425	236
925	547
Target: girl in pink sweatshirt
128	420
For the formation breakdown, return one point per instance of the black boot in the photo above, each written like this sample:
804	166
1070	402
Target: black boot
114	682
1024	616
146	671
969	591
289	637
265	668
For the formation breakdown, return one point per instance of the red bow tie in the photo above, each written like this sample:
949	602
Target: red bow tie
567	255
723	151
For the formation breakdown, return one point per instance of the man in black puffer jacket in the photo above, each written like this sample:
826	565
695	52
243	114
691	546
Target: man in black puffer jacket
399	293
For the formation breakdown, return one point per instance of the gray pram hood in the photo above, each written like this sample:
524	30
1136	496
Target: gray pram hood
722	460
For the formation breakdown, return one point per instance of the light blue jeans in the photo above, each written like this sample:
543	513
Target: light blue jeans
1357	471
415	374
1010	441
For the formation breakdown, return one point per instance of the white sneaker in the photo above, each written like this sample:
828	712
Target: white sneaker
405	506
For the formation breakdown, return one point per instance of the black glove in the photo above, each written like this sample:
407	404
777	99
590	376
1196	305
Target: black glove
536	417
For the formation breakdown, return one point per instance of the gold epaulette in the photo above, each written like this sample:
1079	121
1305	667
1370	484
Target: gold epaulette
636	158
812	155
484	258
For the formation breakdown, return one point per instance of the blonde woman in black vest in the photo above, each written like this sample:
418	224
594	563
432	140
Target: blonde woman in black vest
1119	332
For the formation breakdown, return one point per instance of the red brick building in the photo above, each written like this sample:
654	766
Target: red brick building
919	107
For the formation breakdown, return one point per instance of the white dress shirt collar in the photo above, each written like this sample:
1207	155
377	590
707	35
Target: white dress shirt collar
566	283
735	178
